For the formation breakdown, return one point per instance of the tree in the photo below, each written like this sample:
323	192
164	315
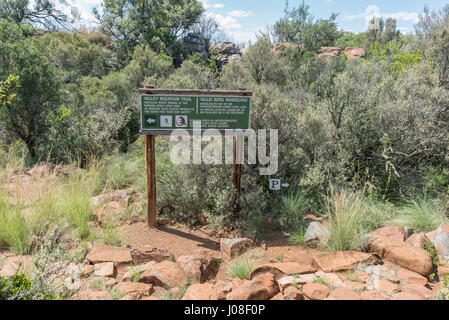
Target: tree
263	65
157	23
433	32
146	64
7	88
207	28
25	117
299	26
350	39
78	54
322	33
295	21
38	13
381	31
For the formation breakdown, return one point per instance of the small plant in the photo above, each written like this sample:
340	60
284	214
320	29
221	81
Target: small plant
297	237
240	269
430	248
320	281
52	259
98	284
280	258
135	276
15	287
116	294
443	294
78	255
110	236
20	287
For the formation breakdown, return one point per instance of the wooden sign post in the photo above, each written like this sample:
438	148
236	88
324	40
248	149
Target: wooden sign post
150	161
237	167
164	111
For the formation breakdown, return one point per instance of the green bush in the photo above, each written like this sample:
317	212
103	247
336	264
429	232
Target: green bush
14	287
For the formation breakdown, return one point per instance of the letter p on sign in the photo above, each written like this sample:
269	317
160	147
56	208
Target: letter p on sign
275	184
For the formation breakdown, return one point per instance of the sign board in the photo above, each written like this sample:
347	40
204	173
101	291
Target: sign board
165	110
174	111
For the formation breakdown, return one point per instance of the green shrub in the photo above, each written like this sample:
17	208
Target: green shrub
320	281
15	287
98	284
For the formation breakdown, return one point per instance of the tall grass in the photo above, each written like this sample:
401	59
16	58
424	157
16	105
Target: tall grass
422	214
294	206
74	204
345	216
13	229
123	171
13	159
376	213
65	202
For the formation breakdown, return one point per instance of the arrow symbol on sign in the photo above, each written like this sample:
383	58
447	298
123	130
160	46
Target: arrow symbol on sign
150	120
285	185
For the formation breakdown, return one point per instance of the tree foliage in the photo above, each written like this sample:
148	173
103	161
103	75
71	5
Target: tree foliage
299	26
433	33
25	117
38	13
156	23
380	31
7	89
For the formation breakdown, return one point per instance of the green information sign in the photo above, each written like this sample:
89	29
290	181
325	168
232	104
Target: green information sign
171	112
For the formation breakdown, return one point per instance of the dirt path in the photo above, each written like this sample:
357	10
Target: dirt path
183	240
177	240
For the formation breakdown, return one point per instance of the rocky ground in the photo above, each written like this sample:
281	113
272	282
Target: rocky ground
391	269
178	262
